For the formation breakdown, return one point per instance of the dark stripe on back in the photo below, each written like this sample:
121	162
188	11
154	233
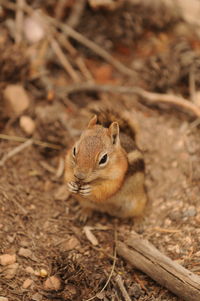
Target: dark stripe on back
137	166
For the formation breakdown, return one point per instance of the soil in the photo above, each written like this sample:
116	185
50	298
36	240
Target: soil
37	214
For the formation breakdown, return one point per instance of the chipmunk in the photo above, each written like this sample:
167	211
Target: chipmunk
104	169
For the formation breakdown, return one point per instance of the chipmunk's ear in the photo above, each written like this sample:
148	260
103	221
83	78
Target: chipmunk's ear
114	132
92	122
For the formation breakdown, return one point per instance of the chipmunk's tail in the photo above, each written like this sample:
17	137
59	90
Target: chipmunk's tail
106	115
128	128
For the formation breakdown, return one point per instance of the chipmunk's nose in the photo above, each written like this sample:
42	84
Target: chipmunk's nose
79	175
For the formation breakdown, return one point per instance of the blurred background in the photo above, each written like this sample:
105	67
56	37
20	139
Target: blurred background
57	58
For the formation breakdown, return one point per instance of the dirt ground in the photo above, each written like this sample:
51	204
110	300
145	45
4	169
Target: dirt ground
40	223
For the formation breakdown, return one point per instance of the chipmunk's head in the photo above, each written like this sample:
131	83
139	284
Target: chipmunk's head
95	152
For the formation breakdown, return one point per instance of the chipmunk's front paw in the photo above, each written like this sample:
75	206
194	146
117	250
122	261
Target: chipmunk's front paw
85	190
73	187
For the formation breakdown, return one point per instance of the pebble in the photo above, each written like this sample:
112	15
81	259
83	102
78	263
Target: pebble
7	259
30	270
175	216
43	273
62	193
25	252
33	28
17	100
52	283
27	124
10	271
27	283
190	212
70	244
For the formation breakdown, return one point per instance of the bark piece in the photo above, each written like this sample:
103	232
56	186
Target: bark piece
145	257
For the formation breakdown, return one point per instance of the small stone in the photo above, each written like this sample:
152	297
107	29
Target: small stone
27	283
175	216
30	270
52	283
7	259
10	271
27	124
3	298
17	100
33	28
10	238
43	273
70	244
25	252
24	243
62	193
190	212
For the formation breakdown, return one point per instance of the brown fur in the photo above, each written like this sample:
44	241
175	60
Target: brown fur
117	187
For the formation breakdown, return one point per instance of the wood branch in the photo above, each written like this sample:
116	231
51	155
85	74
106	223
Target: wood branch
150	97
145	257
15	151
77	11
19	21
64	61
70	32
118	280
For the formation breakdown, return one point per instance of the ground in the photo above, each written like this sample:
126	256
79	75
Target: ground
40	223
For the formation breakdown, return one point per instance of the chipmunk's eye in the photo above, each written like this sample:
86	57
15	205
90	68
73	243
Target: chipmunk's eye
103	159
74	151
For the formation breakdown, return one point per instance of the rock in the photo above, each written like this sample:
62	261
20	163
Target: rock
62	194
52	283
25	252
10	271
27	283
175	215
43	273
34	28
27	124
3	298
7	259
16	100
190	212
30	270
70	244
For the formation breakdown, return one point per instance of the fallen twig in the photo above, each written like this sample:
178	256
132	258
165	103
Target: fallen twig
83	68
22	139
70	32
61	167
90	236
19	21
76	13
150	97
91	45
111	272
64	61
15	151
122	288
145	257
